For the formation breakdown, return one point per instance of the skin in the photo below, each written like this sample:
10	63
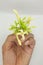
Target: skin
14	54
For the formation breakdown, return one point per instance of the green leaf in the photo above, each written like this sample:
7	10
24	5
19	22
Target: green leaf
12	27
21	26
24	18
33	26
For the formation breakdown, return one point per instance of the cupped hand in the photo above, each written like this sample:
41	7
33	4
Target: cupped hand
14	54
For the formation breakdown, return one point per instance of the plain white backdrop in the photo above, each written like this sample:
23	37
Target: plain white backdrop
23	6
33	8
6	19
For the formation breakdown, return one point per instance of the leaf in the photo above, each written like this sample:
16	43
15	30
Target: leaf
21	26
12	27
17	15
33	26
24	18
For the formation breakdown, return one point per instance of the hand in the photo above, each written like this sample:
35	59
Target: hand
14	54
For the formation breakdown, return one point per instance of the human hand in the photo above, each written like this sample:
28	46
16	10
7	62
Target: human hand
14	54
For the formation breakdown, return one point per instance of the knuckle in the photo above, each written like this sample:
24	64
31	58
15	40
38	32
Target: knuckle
10	35
32	40
32	35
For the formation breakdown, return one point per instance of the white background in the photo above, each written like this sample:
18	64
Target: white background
33	8
24	6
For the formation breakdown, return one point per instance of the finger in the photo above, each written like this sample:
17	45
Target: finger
29	46
10	42
30	43
27	42
32	40
11	37
27	39
30	35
